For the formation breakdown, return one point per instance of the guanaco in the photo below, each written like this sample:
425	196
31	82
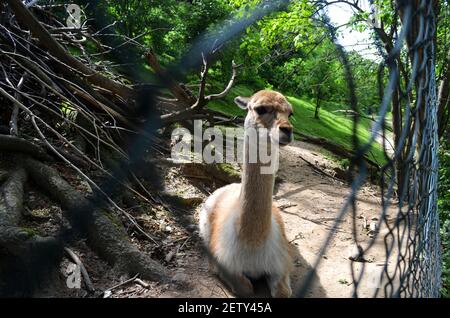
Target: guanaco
239	224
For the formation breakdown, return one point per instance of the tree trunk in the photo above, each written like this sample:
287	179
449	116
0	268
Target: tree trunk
316	112
397	130
444	99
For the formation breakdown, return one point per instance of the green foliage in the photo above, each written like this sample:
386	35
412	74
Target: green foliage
317	75
166	26
442	37
384	16
444	213
227	105
286	50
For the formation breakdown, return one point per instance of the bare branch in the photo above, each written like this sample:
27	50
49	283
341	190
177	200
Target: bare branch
15	113
229	86
198	108
83	270
203	75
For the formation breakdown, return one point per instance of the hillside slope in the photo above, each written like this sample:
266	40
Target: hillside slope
332	126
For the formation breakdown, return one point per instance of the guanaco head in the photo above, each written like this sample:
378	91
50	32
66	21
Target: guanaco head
270	110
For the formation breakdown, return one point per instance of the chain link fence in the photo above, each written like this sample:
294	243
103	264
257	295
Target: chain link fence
408	180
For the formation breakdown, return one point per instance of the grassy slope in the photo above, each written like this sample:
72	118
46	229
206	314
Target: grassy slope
331	126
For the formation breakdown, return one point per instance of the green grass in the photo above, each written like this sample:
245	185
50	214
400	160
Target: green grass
334	127
227	105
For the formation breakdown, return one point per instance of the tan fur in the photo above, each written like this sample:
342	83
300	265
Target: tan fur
255	222
251	201
221	212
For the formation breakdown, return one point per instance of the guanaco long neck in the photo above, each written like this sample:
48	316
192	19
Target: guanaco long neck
255	198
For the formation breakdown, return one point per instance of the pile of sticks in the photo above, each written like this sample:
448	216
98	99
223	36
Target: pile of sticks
62	100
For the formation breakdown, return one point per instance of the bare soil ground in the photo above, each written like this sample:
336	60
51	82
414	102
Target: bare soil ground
310	202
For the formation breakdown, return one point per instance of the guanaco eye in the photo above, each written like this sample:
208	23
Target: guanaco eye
261	110
291	114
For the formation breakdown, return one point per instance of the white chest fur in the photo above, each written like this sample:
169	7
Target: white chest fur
232	253
236	256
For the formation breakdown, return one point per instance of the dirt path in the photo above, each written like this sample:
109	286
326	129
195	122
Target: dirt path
310	203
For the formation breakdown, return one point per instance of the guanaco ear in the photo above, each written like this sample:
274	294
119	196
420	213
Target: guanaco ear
242	102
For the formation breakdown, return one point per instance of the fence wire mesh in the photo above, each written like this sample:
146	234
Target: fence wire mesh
412	245
408	180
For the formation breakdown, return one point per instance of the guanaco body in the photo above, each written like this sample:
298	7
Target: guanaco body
239	224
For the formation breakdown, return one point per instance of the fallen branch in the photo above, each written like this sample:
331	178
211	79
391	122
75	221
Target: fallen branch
184	97
15	113
132	279
336	149
228	87
194	107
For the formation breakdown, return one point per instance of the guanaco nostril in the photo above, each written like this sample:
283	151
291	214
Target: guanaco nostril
286	130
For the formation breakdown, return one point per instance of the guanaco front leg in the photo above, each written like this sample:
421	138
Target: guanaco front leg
239	284
280	286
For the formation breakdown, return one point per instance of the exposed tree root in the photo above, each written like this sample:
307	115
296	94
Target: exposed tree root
15	144
26	258
105	233
64	97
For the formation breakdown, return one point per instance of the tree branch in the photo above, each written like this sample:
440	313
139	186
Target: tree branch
180	93
227	88
203	75
197	108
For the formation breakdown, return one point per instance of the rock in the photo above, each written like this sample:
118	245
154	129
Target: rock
170	255
192	227
356	253
168	229
364	224
180	278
